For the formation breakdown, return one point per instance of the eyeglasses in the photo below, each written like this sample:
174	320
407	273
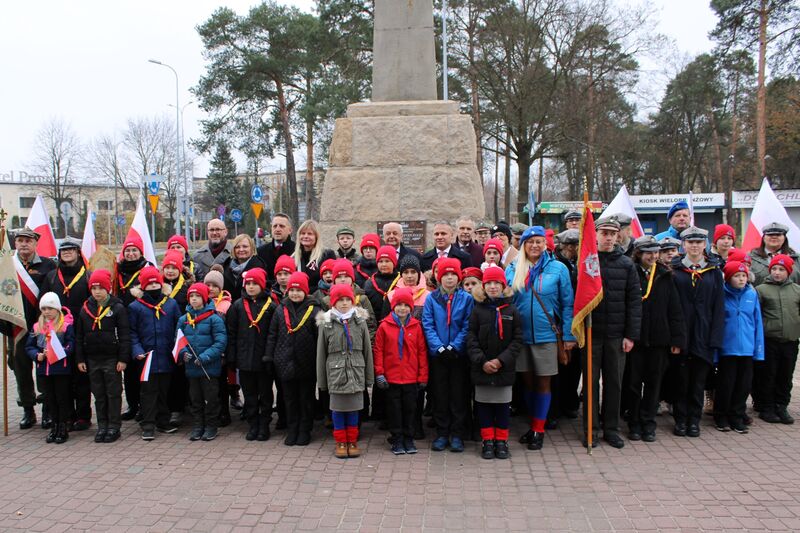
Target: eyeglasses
214	230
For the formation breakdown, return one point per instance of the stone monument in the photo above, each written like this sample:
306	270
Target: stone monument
404	156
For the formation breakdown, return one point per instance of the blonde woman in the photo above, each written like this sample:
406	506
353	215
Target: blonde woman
309	253
243	258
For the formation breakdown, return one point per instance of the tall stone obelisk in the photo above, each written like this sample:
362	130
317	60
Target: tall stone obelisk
404	156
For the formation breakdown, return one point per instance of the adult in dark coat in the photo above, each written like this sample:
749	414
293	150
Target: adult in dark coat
242	260
465	241
37	269
700	286
663	333
310	253
70	282
281	243
130	263
393	236
216	252
444	247
616	323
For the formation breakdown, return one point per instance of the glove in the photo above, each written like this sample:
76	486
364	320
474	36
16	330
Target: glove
381	382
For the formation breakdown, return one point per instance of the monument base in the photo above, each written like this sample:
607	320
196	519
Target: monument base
400	161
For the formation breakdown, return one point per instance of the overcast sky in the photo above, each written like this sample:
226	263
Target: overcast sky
86	62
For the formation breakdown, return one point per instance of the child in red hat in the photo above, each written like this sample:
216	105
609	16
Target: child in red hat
445	320
325	279
103	349
779	297
495	341
206	338
248	323
472	277
401	368
344	365
178	243
172	270
291	350
724	240
367	265
383	281
284	268
492	253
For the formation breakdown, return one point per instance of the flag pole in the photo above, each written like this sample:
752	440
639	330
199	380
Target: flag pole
3	216
587	378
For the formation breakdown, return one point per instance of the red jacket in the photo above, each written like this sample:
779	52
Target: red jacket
413	367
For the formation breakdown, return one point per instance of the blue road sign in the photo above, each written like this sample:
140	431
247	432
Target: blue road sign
153	186
256	194
236	215
120	220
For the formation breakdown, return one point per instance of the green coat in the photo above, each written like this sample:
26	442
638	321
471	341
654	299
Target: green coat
780	308
339	370
760	266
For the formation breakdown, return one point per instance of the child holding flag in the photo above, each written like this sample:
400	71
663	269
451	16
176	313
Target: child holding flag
153	318
206	339
50	345
103	349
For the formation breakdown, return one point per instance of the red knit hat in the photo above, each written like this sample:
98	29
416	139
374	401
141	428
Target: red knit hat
148	275
723	230
387	252
178	239
737	254
783	260
172	258
135	241
101	277
472	272
326	266
370	240
341	291
343	267
298	280
403	295
448	265
285	263
493	244
256	275
734	267
494	273
200	289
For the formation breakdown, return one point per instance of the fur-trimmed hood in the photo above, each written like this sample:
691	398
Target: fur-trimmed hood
137	292
324	318
480	295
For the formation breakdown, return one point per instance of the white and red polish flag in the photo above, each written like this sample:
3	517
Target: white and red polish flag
622	204
768	209
180	344
55	350
89	242
39	222
139	229
146	368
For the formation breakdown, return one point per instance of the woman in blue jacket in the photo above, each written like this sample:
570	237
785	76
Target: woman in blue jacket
153	317
743	343
543	296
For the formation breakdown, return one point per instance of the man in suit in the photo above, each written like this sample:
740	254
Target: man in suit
444	247
280	244
465	241
393	236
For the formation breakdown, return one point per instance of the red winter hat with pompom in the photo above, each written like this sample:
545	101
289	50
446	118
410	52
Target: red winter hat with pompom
102	278
298	280
257	276
200	289
341	291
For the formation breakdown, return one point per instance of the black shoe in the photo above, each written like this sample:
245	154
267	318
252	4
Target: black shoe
81	425
28	418
739	427
649	436
210	434
634	435
536	442
51	437
175	419
614	440
112	435
148	434
783	414
679	430
409	446
693	430
487	450
130	414
196	434
224	420
526	437
100	436
551	423
263	435
252	433
291	438
501	450
62	435
303	438
47	422
397	447
720	424
166	429
769	416
236	403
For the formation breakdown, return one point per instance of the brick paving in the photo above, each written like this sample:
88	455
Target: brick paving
718	482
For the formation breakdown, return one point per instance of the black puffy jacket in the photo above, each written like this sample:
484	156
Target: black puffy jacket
294	354
484	342
619	313
110	338
662	316
246	344
377	288
703	304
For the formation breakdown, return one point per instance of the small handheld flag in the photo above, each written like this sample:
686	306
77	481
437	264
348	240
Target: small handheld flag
180	344
55	350
146	369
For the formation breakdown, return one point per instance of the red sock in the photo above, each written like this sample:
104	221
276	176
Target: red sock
487	433
352	434
537	425
500	434
340	435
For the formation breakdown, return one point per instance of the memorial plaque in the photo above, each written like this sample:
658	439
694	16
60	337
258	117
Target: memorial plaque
413	232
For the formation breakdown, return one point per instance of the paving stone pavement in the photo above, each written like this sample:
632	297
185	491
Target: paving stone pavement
718	482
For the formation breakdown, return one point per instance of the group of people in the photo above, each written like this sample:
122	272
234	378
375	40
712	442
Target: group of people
474	329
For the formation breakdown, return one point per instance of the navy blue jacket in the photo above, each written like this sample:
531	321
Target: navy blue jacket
207	339
151	333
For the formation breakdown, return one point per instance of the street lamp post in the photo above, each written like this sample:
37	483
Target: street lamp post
177	150
188	220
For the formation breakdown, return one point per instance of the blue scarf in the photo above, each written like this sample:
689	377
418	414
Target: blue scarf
534	272
402	332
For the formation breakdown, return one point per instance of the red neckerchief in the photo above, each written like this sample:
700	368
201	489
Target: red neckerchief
156	308
199	318
288	319
363	274
449	306
254	321
100	314
500	320
377	288
124	286
68	287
